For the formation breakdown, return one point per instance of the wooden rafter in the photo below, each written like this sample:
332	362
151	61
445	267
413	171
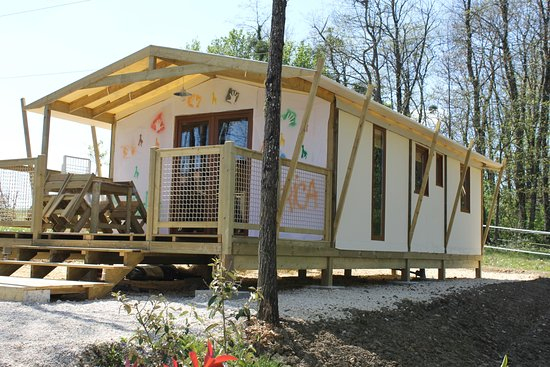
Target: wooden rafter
458	191
165	73
424	184
351	162
99	110
105	92
92	78
84	112
299	140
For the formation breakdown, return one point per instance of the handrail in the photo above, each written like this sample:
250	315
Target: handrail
519	230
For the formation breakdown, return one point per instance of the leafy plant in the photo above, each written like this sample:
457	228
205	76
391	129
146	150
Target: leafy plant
158	338
504	361
225	286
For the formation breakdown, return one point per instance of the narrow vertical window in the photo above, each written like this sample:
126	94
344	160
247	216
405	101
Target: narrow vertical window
465	192
378	183
421	163
439	170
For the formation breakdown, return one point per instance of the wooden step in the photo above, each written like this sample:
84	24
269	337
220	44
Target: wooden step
64	264
39	290
74	248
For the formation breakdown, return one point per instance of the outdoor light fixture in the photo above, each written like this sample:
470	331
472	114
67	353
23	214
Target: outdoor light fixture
182	92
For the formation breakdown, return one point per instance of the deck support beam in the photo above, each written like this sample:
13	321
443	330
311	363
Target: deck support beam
299	140
351	162
493	205
151	194
457	195
424	184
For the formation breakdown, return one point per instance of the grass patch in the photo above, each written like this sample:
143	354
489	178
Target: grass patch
516	260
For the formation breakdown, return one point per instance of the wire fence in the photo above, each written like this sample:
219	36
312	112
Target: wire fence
519	240
16	192
190	196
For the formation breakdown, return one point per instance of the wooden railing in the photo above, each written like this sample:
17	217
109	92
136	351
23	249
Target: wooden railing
20	201
218	187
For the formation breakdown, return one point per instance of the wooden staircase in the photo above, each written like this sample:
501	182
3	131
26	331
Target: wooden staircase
88	272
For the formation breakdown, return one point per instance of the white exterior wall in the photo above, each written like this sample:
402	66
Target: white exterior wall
354	232
466	233
131	159
429	233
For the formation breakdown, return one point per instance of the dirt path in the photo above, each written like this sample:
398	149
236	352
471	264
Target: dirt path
476	327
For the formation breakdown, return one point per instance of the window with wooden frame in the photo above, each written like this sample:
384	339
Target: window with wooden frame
421	163
378	202
465	192
439	170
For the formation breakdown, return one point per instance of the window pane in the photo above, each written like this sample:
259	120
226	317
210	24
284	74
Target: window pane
378	183
465	192
439	170
235	131
421	162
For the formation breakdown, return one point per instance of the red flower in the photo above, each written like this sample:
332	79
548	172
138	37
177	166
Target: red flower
209	359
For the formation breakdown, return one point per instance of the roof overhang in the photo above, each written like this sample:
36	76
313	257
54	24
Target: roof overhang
155	73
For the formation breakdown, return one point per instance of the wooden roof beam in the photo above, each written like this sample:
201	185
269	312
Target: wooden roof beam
99	110
84	112
165	73
92	78
91	98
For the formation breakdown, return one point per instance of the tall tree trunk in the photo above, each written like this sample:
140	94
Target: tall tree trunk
544	13
516	115
267	250
473	76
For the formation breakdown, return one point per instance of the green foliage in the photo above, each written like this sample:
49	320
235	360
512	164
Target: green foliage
514	260
504	361
104	354
225	286
158	338
238	44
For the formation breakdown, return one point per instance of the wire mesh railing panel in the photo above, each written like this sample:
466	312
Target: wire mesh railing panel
248	174
76	165
16	193
305	205
189	188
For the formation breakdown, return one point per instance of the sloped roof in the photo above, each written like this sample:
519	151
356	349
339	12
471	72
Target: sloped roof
154	74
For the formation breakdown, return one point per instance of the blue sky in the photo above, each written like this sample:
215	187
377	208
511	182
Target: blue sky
44	50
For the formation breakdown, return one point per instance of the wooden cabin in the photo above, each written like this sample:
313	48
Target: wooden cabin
361	185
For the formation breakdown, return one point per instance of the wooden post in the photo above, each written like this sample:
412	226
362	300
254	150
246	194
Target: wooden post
94	216
326	274
493	206
457	196
331	178
226	202
38	196
46	131
96	152
442	271
406	272
424	184
351	162
112	151
151	197
300	140
302	274
26	128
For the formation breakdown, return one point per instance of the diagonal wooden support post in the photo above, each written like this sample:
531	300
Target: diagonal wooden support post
351	162
26	128
300	139
457	196
424	184
493	205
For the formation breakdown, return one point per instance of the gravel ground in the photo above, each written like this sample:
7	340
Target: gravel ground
53	334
